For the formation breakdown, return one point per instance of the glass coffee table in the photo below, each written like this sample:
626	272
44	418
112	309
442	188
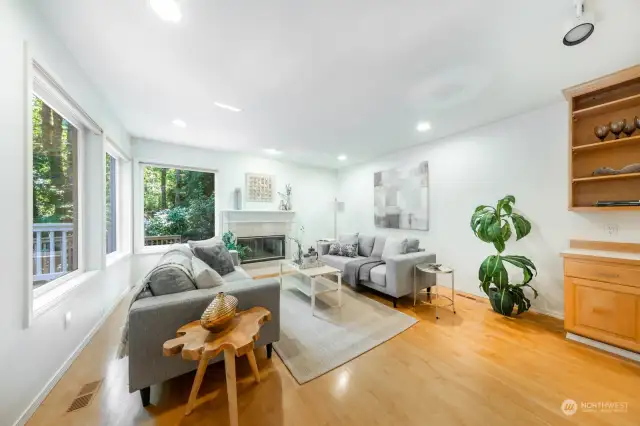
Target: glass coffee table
316	284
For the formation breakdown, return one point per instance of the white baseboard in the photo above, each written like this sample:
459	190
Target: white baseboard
26	414
605	347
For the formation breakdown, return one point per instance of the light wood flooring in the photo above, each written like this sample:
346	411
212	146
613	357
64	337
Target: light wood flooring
473	368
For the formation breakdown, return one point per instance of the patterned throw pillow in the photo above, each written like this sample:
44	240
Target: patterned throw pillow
349	250
334	249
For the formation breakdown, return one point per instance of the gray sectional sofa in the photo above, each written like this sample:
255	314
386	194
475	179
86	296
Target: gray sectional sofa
395	276
154	320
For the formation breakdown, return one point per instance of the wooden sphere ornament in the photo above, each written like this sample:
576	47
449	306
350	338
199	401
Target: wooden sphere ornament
219	313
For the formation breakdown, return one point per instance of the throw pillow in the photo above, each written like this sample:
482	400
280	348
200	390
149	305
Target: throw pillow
365	245
334	249
217	257
413	245
205	276
393	247
173	274
349	250
378	246
203	243
180	248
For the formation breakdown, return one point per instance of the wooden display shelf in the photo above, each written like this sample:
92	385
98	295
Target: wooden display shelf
604	208
608	144
606	177
619	104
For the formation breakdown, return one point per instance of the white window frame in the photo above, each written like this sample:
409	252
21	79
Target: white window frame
122	248
41	83
140	248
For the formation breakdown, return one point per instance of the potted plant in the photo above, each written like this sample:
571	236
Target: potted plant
494	225
230	241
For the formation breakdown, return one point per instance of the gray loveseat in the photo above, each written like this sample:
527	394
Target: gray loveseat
395	277
154	320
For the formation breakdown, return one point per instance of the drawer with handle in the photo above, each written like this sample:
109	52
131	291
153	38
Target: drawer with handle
612	273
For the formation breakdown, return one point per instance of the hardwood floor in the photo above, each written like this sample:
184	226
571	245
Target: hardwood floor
473	368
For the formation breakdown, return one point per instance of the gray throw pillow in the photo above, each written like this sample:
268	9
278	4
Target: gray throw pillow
365	245
334	249
413	245
378	246
349	250
393	247
217	257
168	278
205	276
203	243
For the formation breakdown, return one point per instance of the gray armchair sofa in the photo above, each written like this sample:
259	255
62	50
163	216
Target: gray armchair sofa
395	277
154	320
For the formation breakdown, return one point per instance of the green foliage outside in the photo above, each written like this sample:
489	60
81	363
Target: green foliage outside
493	225
179	202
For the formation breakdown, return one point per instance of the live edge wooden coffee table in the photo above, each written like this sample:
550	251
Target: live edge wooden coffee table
198	344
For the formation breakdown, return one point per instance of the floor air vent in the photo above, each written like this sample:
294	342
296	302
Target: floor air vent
85	396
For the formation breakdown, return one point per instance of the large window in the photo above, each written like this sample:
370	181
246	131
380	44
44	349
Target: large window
111	200
55	194
179	205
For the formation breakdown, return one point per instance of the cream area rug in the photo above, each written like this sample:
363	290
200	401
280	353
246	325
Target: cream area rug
311	346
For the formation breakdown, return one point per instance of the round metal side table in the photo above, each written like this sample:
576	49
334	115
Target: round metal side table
442	270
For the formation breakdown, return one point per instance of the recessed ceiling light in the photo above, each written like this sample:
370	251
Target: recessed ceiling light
423	126
579	28
168	10
225	106
179	123
272	151
342	157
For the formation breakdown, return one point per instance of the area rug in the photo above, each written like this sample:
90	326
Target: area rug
311	346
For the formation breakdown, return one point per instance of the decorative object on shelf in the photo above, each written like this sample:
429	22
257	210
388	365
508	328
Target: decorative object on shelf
285	202
311	264
617	127
606	171
629	128
219	313
297	256
237	199
259	188
636	120
401	197
491	225
617	203
231	243
601	132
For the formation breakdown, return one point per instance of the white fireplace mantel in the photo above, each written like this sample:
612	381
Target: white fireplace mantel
252	223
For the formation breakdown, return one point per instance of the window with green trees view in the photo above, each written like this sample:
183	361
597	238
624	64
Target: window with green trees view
179	205
55	194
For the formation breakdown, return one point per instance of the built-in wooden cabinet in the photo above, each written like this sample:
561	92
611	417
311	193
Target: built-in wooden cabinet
598	102
602	296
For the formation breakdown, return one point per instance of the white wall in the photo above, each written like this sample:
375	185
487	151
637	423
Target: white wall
30	358
525	156
313	189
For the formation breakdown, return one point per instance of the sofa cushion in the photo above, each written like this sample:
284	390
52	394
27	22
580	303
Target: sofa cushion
181	248
348	238
413	245
378	246
394	246
216	256
238	274
172	275
338	262
378	275
349	250
334	249
204	275
365	245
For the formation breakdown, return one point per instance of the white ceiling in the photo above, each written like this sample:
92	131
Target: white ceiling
320	78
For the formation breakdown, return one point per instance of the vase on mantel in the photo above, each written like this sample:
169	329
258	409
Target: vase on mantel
237	199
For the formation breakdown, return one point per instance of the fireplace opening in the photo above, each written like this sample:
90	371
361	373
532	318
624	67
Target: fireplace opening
263	248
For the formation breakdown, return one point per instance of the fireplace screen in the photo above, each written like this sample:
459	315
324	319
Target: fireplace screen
263	248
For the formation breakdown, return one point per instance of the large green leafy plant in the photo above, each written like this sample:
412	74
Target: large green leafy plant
494	225
230	241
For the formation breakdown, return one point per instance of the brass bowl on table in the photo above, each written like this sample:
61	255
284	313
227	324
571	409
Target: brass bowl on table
219	313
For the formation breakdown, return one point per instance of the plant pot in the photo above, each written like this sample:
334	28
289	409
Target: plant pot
501	304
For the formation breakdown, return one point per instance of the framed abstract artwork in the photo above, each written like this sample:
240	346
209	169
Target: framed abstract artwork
401	197
259	188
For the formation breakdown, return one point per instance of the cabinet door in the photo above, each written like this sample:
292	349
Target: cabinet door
603	311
